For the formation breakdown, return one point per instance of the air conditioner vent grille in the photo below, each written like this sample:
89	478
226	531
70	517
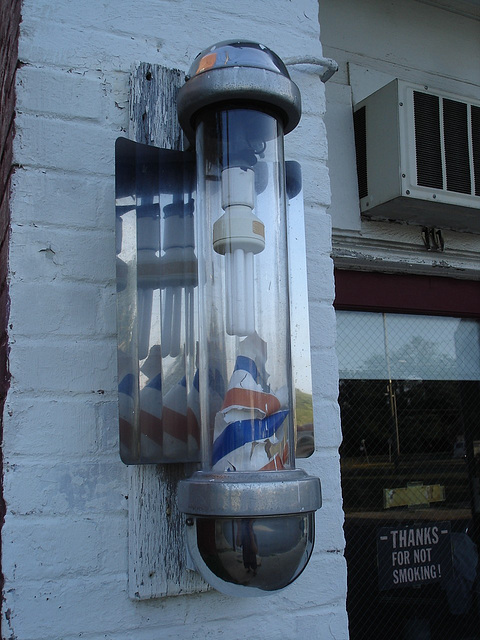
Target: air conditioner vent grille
360	131
476	147
427	140
457	162
447	149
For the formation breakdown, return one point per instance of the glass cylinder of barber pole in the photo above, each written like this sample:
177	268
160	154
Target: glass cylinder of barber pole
246	393
249	512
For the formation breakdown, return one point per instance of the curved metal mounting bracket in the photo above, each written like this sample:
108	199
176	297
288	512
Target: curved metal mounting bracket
330	65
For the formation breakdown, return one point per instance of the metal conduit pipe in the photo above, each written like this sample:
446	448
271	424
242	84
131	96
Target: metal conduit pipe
330	65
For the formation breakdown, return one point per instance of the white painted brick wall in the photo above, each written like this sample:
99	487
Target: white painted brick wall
65	534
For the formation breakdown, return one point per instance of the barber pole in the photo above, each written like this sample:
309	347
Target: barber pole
249	432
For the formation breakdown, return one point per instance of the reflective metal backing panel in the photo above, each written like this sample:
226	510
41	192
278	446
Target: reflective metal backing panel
156	288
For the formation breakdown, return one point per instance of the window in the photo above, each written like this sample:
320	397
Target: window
410	458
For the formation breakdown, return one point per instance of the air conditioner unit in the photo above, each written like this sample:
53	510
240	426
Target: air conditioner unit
418	157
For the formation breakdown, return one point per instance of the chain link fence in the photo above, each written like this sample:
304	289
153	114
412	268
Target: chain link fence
410	462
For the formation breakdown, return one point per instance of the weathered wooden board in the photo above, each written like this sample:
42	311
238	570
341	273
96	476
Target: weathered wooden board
157	552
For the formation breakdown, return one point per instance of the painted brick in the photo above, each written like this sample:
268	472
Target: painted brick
307	78
329	530
308	140
326	419
67	309
90	15
323	624
62	199
80	546
324	365
60	144
320	274
69	47
50	607
62	488
52	427
66	366
42	607
318	238
110	45
322	325
328	461
106	420
42	91
331	566
316	189
82	255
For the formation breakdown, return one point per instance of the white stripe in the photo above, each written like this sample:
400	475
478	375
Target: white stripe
151	401
176	399
244	380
